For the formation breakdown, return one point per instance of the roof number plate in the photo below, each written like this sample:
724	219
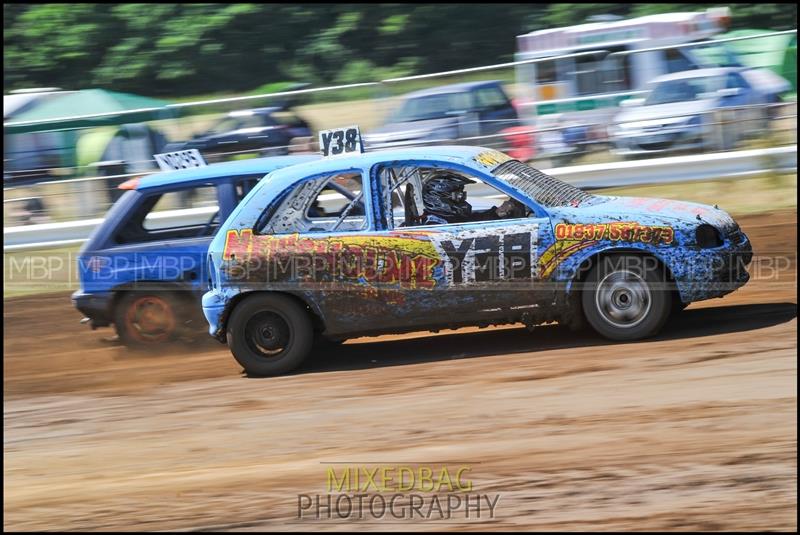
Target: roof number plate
182	159
340	141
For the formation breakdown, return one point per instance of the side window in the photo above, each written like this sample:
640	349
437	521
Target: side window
587	78
491	98
187	213
242	187
546	72
328	203
735	81
417	196
288	118
337	195
225	125
615	70
254	121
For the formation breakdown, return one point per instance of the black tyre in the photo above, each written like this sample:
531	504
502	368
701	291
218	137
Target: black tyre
269	334
678	306
322	344
146	319
626	297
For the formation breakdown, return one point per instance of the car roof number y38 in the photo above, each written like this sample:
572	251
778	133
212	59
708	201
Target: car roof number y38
340	141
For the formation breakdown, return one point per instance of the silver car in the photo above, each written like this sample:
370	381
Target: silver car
707	109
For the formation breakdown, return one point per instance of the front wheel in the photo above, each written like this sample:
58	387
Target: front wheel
678	306
269	334
626	297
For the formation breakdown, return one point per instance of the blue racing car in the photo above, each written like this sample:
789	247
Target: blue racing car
143	269
443	237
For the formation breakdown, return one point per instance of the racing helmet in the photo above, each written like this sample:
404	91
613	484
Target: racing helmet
443	195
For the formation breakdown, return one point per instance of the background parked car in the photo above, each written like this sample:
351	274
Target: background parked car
698	109
448	113
267	130
560	143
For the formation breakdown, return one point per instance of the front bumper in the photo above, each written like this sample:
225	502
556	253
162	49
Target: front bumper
214	307
719	272
96	307
658	141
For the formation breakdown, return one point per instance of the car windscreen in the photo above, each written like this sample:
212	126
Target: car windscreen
230	124
431	107
287	118
544	189
685	90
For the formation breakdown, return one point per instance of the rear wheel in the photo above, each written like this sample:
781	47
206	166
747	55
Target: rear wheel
269	334
626	297
146	319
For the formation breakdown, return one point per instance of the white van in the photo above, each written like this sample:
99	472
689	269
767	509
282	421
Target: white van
592	69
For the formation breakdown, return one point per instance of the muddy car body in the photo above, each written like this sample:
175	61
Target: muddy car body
285	272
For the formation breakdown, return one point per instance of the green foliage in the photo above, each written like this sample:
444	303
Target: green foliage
190	49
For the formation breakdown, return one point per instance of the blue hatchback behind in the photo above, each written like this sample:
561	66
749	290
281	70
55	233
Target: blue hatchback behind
143	269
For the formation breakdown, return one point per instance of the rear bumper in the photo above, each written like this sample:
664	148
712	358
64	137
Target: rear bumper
96	307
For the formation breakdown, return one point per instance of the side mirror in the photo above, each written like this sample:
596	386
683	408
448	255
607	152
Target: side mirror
631	103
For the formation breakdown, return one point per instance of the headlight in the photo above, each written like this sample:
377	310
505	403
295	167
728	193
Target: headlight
708	236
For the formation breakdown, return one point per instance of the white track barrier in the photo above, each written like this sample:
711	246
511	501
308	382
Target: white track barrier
728	165
725	165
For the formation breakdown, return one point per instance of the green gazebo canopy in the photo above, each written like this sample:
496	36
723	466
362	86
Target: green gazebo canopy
89	108
776	52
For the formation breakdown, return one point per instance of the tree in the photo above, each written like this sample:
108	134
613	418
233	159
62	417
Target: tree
191	49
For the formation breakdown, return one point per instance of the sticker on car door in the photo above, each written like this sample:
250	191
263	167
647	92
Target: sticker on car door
488	255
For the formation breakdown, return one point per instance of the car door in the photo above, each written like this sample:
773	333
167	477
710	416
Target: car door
319	243
739	101
458	272
494	110
496	259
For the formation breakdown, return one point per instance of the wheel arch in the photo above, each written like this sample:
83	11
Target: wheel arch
586	264
189	308
119	291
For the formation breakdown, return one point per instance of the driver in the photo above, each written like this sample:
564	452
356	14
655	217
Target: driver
445	201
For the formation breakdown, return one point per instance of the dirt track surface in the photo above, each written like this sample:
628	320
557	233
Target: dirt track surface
695	429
